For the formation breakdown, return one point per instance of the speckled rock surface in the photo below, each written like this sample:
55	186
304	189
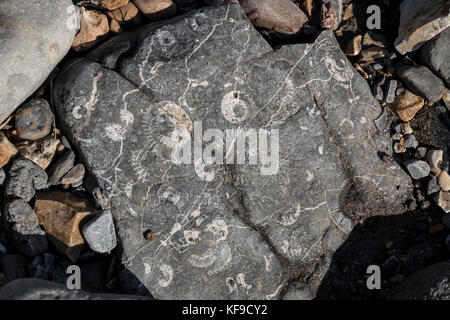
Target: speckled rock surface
238	231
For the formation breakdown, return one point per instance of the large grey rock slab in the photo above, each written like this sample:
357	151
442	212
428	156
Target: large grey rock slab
420	21
34	35
436	55
36	289
431	283
226	230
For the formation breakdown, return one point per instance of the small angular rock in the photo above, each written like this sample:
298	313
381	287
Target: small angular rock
24	178
432	186
41	152
391	87
100	233
279	15
60	213
7	150
442	199
127	14
407	105
434	158
93	26
444	180
156	9
75	175
23	226
61	167
354	46
418	169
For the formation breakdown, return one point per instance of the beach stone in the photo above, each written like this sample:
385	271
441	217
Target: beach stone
418	169
435	54
24	178
420	21
442	199
127	14
433	186
99	232
434	158
279	15
41	152
34	120
75	175
406	105
156	9
60	214
237	230
421	81
444	180
7	150
23	228
34	35
61	167
94	26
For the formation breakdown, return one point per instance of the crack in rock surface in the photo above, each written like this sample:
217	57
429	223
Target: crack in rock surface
225	230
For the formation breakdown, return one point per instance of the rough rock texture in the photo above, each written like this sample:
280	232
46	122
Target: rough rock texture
280	15
35	289
61	167
432	283
234	230
34	35
99	232
436	55
23	227
60	213
420	21
7	150
24	178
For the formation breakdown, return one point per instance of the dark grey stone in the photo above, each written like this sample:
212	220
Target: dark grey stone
389	94
36	289
433	186
234	232
23	228
421	81
24	178
377	92
435	54
410	142
62	165
418	169
99	232
431	283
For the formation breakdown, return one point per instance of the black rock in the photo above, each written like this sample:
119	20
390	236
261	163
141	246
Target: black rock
23	228
24	178
46	267
207	67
